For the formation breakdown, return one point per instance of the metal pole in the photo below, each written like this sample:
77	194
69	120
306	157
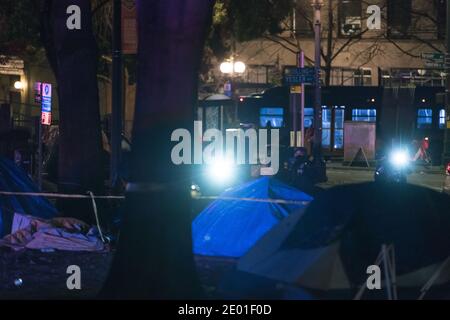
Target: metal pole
446	153
317	151
116	116
302	102
294	108
39	173
319	164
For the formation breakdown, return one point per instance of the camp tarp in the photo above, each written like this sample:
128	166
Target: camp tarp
65	234
229	228
341	233
14	179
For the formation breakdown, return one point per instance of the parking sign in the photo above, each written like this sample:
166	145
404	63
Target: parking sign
46	104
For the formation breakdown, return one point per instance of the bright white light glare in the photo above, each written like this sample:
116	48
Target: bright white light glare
239	67
221	171
18	85
226	67
400	158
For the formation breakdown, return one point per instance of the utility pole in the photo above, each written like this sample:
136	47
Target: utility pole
116	116
293	101
446	153
319	163
302	102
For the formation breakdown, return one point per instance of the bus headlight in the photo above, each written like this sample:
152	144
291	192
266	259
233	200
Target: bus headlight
399	158
221	171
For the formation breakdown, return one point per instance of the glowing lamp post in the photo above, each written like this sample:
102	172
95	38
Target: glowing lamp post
319	164
231	68
18	85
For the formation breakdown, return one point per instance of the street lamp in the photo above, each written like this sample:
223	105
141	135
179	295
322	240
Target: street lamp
18	85
319	164
231	68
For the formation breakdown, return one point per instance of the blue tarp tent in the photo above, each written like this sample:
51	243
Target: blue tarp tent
14	179
229	228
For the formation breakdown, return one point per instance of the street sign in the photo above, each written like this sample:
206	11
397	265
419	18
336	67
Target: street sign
434	60
228	89
46	118
46	104
434	56
434	65
296	76
296	89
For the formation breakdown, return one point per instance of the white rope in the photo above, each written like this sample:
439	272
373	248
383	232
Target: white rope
58	195
97	220
279	201
80	196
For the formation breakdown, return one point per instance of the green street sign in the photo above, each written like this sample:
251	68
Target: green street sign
297	76
436	57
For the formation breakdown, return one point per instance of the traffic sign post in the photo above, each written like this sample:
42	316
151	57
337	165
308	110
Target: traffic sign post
46	120
299	76
434	60
296	78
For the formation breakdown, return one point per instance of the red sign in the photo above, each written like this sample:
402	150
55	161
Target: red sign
129	27
46	118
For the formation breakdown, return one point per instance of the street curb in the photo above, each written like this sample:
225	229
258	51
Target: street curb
347	168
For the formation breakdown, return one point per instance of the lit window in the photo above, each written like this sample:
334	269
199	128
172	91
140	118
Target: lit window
442	119
367	115
309	117
362	77
273	117
339	119
326	127
424	118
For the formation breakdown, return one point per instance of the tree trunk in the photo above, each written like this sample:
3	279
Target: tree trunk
327	73
154	258
73	57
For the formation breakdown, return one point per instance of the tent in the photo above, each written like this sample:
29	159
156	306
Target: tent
340	234
14	179
229	228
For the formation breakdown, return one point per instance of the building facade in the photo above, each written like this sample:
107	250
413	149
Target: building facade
392	73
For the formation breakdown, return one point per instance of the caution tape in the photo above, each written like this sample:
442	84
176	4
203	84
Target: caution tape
278	201
59	195
92	196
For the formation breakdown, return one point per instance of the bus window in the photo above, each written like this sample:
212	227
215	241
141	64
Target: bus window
424	118
274	116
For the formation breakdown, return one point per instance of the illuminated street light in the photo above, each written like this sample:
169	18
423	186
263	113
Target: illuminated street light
226	67
231	67
239	67
18	85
